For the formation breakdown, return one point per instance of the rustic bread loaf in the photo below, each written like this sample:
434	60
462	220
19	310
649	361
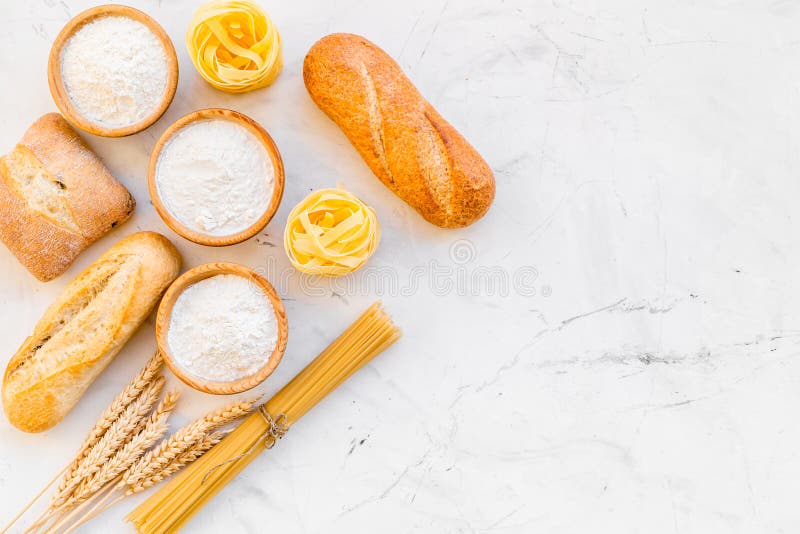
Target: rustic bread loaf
87	325
56	198
406	143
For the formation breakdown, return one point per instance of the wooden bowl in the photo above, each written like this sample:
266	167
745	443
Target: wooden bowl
278	180
59	92
202	272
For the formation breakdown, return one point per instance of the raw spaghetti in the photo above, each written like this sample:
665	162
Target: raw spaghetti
234	45
331	232
177	501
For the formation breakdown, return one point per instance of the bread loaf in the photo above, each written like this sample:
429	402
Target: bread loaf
56	198
82	331
407	144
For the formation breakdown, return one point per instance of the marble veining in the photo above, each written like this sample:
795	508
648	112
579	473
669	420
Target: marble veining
612	349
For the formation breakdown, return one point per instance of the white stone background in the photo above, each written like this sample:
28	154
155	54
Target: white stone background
647	167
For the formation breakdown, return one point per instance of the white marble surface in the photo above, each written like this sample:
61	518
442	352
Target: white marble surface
647	169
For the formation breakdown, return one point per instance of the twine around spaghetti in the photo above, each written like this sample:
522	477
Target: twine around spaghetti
276	428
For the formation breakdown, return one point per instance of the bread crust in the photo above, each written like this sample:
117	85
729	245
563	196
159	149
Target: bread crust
406	143
87	325
69	179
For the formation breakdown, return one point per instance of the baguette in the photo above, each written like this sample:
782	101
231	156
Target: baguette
56	198
82	331
407	144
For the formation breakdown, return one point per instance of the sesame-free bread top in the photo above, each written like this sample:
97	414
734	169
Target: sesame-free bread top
86	326
56	198
412	149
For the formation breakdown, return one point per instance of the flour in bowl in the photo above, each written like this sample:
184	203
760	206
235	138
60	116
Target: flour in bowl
114	70
222	328
215	177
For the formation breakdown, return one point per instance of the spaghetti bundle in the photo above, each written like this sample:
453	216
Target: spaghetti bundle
176	502
234	45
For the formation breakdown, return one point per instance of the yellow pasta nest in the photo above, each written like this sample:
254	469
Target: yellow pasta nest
331	233
234	45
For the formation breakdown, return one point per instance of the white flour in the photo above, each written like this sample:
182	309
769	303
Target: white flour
215	177
222	328
115	71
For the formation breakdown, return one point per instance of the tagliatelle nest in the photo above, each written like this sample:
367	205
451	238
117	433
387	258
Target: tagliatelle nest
331	233
234	45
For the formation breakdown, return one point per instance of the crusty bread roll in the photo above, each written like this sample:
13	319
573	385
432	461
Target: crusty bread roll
407	144
87	325
56	198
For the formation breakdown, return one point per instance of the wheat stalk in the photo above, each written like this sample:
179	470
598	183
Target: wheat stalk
150	465
154	429
187	457
125	397
115	436
89	489
182	440
168	457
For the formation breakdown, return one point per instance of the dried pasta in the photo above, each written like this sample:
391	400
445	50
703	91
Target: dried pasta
331	233
234	45
175	503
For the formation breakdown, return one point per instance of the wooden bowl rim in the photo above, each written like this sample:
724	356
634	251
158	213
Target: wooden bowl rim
278	177
59	92
194	275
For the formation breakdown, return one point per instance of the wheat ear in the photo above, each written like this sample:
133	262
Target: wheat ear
172	454
154	430
182	440
130	393
188	456
125	397
116	436
89	489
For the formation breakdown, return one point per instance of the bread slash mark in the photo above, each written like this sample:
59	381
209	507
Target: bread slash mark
440	167
375	121
107	270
